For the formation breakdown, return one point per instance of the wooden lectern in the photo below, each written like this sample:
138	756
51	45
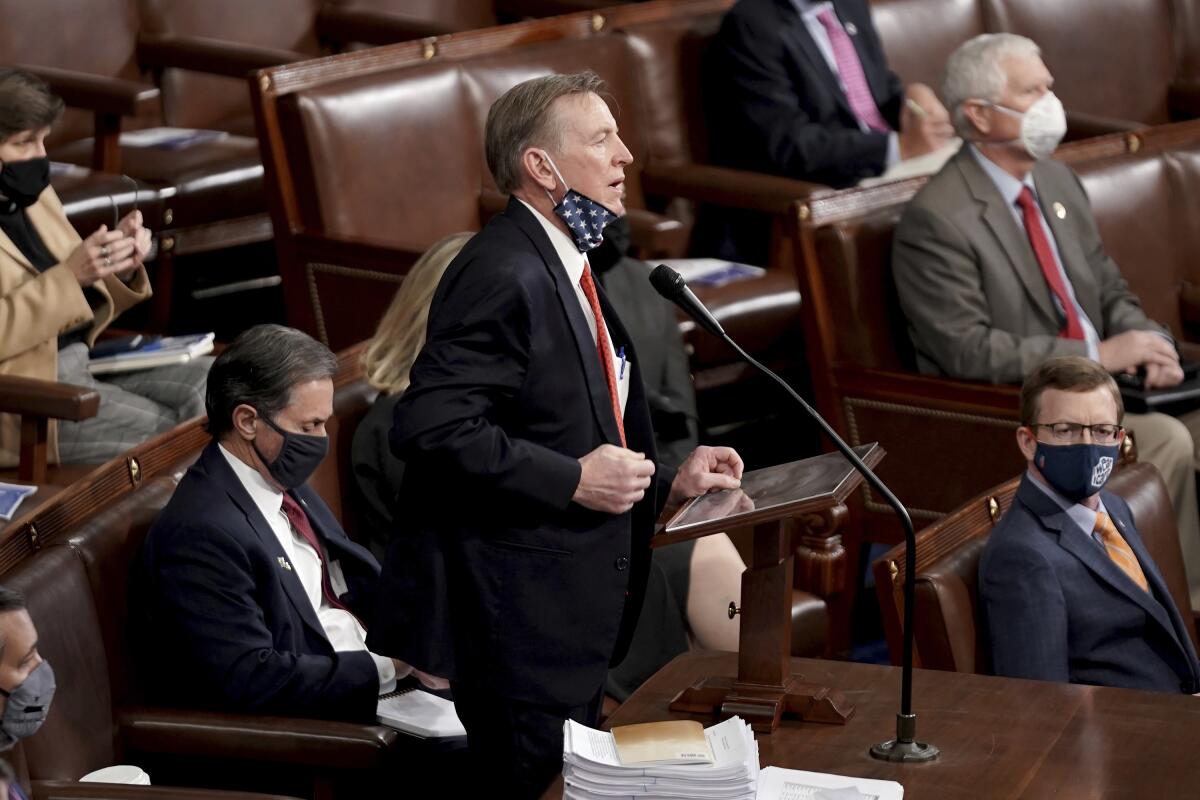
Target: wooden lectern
771	501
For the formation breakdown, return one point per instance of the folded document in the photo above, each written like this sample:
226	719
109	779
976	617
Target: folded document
419	713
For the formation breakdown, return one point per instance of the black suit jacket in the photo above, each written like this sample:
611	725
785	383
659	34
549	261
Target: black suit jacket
773	104
507	394
1059	609
226	623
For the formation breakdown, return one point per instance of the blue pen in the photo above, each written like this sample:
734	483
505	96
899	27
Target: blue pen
621	355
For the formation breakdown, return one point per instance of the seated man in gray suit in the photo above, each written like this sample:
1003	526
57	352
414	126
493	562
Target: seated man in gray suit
999	264
1068	588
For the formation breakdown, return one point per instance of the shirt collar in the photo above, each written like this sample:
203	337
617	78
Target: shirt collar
810	8
1008	186
572	260
1081	515
268	499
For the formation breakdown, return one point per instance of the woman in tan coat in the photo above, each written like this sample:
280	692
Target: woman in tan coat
58	292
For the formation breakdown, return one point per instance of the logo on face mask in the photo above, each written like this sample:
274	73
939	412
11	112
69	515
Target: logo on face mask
1076	471
1043	125
298	458
583	216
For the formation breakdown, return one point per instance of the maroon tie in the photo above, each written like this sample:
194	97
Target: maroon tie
302	526
603	349
1045	258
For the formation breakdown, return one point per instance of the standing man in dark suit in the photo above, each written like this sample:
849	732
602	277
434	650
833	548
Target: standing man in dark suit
529	448
1066	584
253	594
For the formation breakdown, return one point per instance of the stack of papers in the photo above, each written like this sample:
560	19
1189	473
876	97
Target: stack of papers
153	352
794	784
11	495
593	770
419	713
712	272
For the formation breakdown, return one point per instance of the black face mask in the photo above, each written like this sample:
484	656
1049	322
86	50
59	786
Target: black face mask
22	182
299	457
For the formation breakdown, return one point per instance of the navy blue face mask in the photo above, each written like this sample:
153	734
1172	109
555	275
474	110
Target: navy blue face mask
1076	471
299	457
583	216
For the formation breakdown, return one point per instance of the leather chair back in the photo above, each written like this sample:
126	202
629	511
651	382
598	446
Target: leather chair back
919	35
448	15
412	147
1129	80
949	628
79	733
100	39
196	100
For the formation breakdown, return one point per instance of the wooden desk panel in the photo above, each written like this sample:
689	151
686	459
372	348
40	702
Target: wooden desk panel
999	737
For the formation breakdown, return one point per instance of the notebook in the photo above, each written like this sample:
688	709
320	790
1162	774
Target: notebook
419	713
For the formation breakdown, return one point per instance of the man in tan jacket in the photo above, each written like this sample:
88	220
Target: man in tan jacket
58	292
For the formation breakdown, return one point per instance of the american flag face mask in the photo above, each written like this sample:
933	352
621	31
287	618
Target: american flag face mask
583	216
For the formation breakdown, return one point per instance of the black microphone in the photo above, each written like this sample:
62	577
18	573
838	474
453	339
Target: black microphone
671	285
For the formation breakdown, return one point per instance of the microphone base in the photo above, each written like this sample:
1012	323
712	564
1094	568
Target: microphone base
895	750
905	748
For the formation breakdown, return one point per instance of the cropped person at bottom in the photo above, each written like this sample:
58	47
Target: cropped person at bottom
1069	591
253	595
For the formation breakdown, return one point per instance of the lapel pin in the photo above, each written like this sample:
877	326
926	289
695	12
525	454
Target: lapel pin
283	562
1060	211
851	28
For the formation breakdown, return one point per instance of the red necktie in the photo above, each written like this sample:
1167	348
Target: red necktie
302	526
1045	258
603	349
849	67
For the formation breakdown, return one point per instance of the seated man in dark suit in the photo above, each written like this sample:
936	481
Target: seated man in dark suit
253	594
1068	588
801	88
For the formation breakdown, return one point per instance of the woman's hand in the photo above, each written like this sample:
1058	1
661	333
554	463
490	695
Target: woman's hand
131	226
102	254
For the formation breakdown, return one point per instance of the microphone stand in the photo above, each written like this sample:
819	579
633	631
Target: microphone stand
904	747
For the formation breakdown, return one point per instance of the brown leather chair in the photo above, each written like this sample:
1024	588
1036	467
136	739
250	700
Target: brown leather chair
947	620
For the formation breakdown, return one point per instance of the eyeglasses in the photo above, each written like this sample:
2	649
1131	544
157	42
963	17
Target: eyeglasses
1072	432
116	208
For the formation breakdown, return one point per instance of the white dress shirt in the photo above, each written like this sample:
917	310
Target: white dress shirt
809	10
1010	188
341	628
1081	515
572	262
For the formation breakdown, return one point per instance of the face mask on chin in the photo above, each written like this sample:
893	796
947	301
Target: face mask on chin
22	182
1043	125
583	216
298	458
1076	471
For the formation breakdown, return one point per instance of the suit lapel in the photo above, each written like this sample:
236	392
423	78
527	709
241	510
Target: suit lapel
330	534
806	53
1009	237
1074	260
216	465
585	348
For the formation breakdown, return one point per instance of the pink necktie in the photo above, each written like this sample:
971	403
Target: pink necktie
603	350
858	92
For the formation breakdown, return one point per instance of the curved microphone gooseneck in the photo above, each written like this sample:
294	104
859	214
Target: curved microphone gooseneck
671	285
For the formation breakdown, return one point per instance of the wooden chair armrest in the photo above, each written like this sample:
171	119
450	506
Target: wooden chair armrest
942	394
49	399
98	93
1081	125
730	188
287	740
349	25
209	55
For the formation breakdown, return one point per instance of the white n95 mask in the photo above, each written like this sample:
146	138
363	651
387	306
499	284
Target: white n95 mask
1043	125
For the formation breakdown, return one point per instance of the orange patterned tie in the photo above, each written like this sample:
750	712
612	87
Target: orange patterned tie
1119	551
603	349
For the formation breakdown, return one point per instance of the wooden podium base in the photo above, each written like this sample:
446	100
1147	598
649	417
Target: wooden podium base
764	706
